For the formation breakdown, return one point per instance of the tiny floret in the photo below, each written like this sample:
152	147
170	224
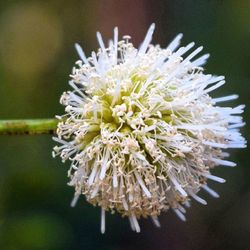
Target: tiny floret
141	130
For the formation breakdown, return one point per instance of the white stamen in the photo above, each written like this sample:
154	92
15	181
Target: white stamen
225	98
210	191
74	200
223	162
237	125
102	220
216	86
178	186
215	144
175	43
187	204
144	188
179	214
149	128
115	44
182	209
201	60
81	53
115	181
94	192
183	50
100	41
125	204
93	174
156	221
104	165
131	223
215	178
135	222
147	39
193	54
197	198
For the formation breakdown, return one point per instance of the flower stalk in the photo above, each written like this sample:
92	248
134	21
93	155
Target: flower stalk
28	126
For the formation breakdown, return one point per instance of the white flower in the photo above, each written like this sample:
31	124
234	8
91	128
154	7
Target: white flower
141	130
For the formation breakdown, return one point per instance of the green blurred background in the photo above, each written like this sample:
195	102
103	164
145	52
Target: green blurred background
36	57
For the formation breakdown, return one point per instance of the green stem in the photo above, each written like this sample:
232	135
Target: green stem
28	127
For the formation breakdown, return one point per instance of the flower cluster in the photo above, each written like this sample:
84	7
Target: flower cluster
141	130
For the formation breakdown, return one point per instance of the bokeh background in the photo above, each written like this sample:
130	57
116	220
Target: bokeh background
36	57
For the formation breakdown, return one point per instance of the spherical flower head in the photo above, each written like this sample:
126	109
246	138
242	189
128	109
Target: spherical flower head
141	130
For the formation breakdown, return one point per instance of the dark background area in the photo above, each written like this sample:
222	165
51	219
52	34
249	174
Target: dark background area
36	57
